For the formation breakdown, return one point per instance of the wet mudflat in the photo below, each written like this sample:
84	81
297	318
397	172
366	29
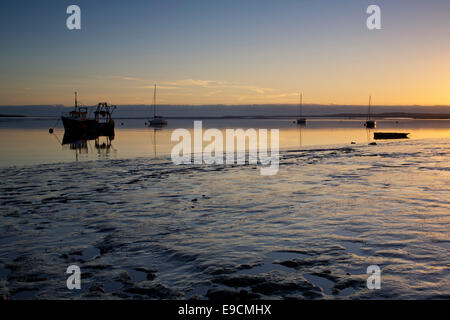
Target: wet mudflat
145	228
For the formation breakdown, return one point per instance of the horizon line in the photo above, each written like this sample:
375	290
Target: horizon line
237	105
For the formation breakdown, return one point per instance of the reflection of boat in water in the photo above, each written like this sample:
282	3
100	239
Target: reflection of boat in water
154	142
80	143
79	122
157	121
300	120
370	123
390	135
369	137
79	140
300	135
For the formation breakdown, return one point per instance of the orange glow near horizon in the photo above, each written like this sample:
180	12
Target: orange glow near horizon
236	55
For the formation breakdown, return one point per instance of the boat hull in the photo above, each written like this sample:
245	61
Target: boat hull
88	127
390	135
370	124
157	122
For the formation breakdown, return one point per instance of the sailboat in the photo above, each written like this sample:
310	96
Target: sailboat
370	123
300	120
157	121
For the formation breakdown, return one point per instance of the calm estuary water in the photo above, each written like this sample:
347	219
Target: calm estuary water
139	226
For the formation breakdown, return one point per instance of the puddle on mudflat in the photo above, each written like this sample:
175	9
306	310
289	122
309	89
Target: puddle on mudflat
112	286
4	273
137	276
346	292
325	284
268	262
25	294
90	253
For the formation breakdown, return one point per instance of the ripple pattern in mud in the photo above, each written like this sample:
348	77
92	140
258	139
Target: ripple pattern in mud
149	229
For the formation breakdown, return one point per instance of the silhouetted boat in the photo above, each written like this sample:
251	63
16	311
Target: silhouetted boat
300	120
370	123
79	122
157	121
390	135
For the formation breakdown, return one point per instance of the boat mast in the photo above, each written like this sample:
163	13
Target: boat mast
301	104
368	113
76	102
154	102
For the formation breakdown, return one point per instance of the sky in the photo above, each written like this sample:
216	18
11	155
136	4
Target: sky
225	52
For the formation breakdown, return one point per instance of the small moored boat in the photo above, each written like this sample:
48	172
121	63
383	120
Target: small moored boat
157	121
390	135
300	120
370	123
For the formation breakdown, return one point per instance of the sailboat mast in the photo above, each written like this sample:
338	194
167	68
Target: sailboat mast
154	102
76	102
368	113
301	104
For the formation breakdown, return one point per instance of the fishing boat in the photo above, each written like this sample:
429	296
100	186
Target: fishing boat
79	122
390	135
370	123
300	120
157	121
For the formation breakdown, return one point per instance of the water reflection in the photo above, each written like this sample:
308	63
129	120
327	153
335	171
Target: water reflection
369	133
28	142
154	143
82	143
300	126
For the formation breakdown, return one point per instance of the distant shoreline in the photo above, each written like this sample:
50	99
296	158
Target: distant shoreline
12	116
393	115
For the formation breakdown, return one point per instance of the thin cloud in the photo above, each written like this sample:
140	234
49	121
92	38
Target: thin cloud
195	83
211	93
248	92
151	86
217	84
127	78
